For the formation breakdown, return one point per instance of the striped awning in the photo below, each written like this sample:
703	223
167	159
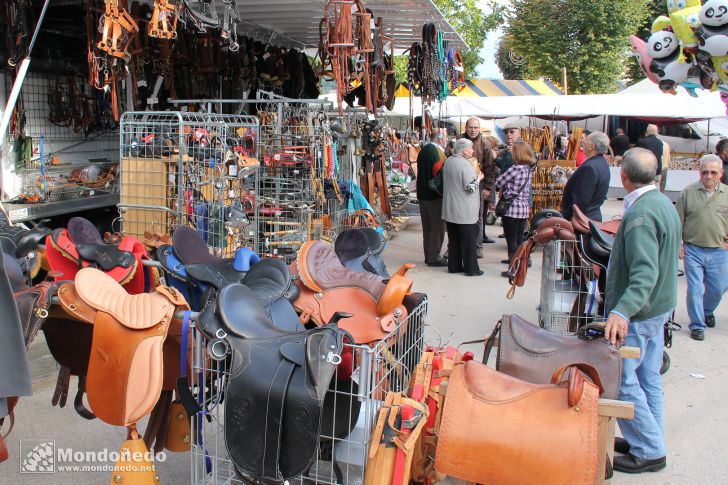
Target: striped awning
480	88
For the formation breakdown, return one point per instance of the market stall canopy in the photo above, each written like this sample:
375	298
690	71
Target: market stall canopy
295	23
653	107
479	88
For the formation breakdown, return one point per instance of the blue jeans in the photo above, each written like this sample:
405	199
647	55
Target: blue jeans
642	385
706	270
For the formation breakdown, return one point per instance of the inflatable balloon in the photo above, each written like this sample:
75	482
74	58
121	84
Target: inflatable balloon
683	22
712	32
660	23
666	52
639	47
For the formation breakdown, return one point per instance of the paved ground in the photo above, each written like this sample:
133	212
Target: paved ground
461	309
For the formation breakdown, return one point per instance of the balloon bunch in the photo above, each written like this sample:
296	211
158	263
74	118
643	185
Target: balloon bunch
688	47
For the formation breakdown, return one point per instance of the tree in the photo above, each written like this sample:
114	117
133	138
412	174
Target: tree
510	64
588	37
633	71
473	25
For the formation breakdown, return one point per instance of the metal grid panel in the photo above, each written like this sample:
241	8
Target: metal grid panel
387	366
182	168
569	289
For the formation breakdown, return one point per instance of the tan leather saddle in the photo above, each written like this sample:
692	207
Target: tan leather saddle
126	365
532	354
328	287
498	429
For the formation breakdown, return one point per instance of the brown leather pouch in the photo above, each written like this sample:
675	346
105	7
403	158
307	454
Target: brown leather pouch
498	429
129	470
179	433
530	353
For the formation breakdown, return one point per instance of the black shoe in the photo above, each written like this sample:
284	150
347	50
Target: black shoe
487	240
506	261
441	262
710	321
477	273
505	274
458	271
621	446
697	334
501	236
631	464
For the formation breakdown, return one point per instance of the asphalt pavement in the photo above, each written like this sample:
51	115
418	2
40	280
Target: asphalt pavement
460	309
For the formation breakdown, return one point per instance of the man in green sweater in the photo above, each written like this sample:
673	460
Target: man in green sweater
641	294
703	211
433	227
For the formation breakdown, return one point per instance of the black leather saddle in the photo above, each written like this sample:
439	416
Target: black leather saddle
22	244
361	250
223	272
190	248
276	389
273	285
597	246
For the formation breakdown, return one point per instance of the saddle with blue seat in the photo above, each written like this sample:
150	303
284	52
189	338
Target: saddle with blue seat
276	389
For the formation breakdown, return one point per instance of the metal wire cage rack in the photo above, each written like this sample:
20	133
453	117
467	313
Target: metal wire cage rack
570	296
341	457
194	169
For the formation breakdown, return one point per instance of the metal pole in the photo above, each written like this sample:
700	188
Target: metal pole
565	80
20	79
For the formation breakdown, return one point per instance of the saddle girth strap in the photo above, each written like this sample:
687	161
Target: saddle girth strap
274	426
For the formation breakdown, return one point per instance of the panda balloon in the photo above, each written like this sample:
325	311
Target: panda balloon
665	51
713	32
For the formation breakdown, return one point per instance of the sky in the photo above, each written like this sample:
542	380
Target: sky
488	69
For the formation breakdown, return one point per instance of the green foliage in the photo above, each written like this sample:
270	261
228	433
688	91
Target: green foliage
510	64
588	37
633	71
473	25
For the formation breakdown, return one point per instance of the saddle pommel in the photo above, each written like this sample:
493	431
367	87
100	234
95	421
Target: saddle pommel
398	286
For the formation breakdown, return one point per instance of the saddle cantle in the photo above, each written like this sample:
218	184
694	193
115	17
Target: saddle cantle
532	354
498	429
276	388
125	371
326	286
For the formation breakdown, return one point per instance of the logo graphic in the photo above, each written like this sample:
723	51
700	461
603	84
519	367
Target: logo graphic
40	458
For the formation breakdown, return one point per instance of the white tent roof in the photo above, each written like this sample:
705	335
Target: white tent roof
646	105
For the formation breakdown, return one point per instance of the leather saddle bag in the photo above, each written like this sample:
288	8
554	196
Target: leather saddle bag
497	429
530	353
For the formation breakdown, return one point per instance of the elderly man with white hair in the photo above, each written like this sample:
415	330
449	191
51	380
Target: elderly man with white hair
652	143
703	211
460	206
588	186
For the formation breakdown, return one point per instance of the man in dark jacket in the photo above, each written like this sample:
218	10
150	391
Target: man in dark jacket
433	227
620	143
653	144
484	156
588	185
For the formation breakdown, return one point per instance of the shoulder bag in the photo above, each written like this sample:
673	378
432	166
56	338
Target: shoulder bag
504	203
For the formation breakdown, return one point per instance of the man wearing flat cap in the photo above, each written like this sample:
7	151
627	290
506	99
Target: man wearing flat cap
505	159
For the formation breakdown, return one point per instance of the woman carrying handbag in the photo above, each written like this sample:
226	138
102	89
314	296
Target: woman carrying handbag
514	204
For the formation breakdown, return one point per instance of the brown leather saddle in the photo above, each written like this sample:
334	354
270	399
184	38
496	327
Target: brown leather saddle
126	365
327	287
551	229
580	222
498	429
532	354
